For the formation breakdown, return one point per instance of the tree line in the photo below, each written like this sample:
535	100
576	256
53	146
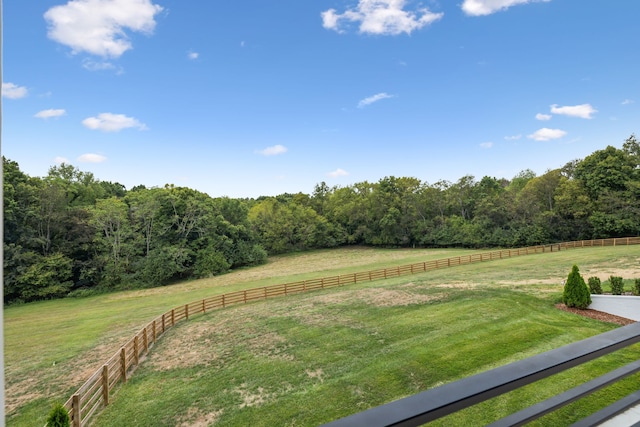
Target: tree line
70	234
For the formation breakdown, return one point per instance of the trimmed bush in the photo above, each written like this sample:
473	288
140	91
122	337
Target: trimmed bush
58	417
595	285
636	287
617	285
576	294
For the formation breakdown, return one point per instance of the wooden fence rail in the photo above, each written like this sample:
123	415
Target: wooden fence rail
94	394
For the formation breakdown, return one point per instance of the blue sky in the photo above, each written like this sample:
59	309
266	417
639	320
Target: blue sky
252	97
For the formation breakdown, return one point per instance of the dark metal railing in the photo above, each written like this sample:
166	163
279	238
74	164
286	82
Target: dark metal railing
449	398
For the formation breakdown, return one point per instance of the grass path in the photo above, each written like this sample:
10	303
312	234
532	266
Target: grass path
46	341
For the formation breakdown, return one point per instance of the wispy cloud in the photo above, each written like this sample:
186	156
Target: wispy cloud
583	111
98	26
384	17
513	137
273	150
108	122
543	117
13	91
337	173
546	134
486	145
91	158
487	7
46	114
192	55
91	65
628	101
375	98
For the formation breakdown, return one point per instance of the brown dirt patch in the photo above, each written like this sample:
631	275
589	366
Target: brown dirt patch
597	315
250	398
604	272
378	297
196	418
187	348
318	374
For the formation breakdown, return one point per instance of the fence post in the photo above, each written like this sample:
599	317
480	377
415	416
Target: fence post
204	306
173	317
145	341
105	385
135	350
123	363
222	300
75	407
186	310
154	331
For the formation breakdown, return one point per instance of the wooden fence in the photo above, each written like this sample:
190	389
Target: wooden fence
94	393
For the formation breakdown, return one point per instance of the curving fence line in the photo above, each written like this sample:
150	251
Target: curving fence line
94	394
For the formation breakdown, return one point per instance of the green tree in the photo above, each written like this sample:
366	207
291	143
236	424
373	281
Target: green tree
576	293
47	277
58	417
111	221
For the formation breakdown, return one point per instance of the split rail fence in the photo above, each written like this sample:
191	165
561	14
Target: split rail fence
94	394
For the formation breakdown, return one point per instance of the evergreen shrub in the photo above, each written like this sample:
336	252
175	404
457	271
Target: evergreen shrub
617	285
595	285
576	293
636	287
58	417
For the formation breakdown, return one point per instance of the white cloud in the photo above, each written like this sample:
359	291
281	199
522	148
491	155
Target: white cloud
487	145
108	122
546	134
192	55
59	160
386	17
338	172
273	151
91	65
513	137
487	7
583	111
12	91
98	26
543	117
91	158
45	114
375	98
628	101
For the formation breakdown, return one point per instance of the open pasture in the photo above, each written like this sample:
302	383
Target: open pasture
310	358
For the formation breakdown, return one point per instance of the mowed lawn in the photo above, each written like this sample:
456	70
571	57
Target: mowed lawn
311	358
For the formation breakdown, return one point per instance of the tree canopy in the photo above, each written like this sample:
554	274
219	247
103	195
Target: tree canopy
68	233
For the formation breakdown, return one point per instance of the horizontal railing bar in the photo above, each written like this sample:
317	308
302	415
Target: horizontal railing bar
610	411
443	400
536	411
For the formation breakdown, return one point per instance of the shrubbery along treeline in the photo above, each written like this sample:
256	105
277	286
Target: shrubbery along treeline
70	234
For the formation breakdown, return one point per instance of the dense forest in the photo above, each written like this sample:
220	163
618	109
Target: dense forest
70	234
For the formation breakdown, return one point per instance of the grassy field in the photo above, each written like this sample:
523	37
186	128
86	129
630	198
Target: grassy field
311	358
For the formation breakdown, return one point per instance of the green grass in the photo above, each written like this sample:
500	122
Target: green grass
307	359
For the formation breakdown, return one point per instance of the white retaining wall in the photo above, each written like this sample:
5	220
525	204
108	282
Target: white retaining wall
624	306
